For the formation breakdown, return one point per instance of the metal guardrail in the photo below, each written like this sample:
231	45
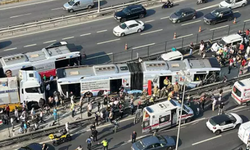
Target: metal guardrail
79	16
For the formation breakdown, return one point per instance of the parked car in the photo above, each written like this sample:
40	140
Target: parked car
233	3
74	5
224	122
219	15
36	146
131	12
128	27
183	14
158	142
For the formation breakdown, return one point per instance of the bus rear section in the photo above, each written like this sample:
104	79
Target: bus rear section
241	91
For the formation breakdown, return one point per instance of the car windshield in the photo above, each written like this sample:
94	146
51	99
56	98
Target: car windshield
162	139
71	2
123	25
139	145
222	42
231	117
178	13
212	122
126	10
215	13
229	1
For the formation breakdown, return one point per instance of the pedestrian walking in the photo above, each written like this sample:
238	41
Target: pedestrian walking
81	103
12	123
214	102
89	143
55	113
221	106
191	48
72	109
105	144
133	137
94	135
16	115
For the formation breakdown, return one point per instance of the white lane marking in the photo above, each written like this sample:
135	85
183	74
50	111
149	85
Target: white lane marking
184	36
184	24
99	56
71	37
204	8
28	4
143	46
29	45
151	32
57	8
219	27
104	42
20	15
209	139
101	31
85	34
49	41
247	20
149	21
10	49
164	17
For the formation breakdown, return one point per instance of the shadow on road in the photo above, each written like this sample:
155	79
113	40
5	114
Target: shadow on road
175	139
5	44
67	147
147	27
150	12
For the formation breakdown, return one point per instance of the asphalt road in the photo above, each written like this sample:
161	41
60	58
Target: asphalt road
30	11
96	38
194	135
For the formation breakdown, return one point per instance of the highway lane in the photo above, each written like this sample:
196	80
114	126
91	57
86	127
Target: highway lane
30	11
96	37
193	135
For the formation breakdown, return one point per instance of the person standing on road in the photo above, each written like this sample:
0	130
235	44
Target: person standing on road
81	103
221	106
72	109
133	136
105	144
89	143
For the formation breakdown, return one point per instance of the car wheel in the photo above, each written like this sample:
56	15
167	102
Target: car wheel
194	17
218	132
123	34
71	10
123	20
243	5
139	30
141	16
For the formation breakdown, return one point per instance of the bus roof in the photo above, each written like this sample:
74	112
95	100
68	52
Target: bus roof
162	107
14	59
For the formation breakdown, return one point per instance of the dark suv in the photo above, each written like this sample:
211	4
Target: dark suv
219	15
131	12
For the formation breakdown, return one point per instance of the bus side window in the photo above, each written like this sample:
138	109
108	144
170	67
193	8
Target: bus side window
164	119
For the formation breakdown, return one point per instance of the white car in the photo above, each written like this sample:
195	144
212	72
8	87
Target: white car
224	122
128	27
233	3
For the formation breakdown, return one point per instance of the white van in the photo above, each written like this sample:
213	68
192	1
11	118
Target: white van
244	132
164	114
74	5
233	39
241	91
175	55
233	3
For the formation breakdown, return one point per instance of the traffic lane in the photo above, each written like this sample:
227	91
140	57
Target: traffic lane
87	31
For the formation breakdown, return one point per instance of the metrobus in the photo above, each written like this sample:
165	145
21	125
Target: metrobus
45	61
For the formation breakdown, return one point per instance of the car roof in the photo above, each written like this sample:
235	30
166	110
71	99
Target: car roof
220	118
230	38
149	140
134	6
186	9
130	22
222	9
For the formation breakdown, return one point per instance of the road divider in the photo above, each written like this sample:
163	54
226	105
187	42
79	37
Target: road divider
143	46
20	15
30	45
51	41
164	17
85	34
59	8
149	21
209	139
101	31
179	37
67	38
109	41
149	32
10	49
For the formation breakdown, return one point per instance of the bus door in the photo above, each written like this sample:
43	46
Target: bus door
115	84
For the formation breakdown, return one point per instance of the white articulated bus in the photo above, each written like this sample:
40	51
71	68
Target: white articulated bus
135	76
45	61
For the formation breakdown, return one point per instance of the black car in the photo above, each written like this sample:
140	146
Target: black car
36	146
219	15
131	12
183	14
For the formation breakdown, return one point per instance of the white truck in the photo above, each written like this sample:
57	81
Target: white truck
26	87
244	132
